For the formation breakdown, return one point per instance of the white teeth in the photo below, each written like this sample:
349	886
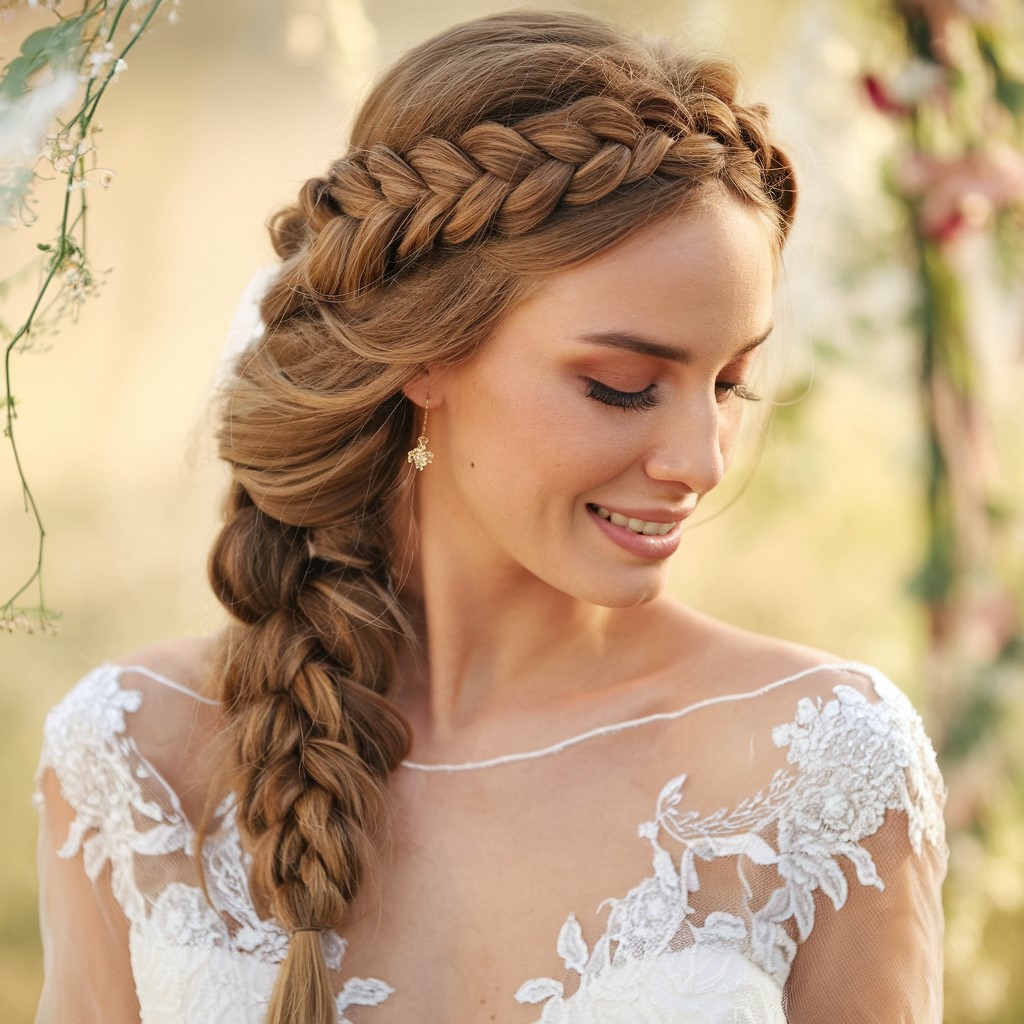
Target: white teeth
648	529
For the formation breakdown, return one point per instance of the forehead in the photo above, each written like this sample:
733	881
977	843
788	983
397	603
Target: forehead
707	272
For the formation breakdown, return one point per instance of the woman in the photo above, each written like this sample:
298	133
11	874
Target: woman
505	356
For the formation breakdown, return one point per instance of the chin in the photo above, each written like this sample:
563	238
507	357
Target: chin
623	592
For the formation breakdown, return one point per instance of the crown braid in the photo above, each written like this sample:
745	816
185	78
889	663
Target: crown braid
498	153
376	211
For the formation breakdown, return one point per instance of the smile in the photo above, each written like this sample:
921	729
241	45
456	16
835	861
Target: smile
640	526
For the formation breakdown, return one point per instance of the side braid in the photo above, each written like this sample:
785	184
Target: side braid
314	737
301	564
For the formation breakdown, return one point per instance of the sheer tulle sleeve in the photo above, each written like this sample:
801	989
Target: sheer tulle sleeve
88	974
875	951
97	812
880	958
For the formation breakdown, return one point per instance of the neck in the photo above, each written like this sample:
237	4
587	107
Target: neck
497	643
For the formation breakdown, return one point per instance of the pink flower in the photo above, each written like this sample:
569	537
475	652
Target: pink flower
881	98
918	81
964	192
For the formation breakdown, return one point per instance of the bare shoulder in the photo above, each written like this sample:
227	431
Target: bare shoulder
699	647
183	662
712	659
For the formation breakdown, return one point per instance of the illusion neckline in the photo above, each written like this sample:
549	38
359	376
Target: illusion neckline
631	723
571	741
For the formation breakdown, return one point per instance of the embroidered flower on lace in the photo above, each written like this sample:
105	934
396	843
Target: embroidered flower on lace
101	774
644	922
182	917
853	760
361	992
857	759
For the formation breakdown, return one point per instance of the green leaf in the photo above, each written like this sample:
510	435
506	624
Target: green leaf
978	716
16	76
1009	91
1010	94
58	45
986	47
58	40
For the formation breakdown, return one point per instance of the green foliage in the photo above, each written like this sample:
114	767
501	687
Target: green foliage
957	171
89	47
60	45
1008	90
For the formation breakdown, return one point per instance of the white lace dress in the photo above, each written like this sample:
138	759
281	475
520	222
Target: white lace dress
787	868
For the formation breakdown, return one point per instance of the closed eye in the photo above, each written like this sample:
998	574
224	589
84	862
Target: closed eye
637	400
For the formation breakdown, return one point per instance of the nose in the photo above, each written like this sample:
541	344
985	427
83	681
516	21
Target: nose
689	448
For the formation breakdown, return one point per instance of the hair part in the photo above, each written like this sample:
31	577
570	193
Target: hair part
486	159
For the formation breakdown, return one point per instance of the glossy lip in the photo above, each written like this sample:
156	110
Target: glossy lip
651	548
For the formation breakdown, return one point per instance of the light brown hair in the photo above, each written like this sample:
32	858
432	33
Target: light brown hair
495	154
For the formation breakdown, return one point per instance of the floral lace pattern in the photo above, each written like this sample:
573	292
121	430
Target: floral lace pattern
126	813
850	760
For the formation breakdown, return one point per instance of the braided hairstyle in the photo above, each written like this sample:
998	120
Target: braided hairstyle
489	157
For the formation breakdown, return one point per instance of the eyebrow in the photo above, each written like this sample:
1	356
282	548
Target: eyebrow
646	347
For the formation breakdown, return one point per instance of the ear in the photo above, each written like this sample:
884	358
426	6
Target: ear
425	385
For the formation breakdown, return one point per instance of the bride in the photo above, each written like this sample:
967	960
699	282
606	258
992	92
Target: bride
457	757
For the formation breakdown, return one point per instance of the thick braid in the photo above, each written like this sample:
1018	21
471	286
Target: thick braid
377	211
301	565
313	736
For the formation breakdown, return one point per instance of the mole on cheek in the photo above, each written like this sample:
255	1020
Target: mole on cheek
472	465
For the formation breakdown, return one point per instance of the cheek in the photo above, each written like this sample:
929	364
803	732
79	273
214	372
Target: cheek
520	426
508	450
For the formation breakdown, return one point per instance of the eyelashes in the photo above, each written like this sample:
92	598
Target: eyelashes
646	399
739	390
621	399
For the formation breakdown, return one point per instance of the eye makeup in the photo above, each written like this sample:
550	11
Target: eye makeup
636	400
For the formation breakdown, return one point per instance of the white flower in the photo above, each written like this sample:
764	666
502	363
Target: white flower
650	915
98	60
24	122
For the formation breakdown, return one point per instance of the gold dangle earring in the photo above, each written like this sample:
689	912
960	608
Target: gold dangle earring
420	456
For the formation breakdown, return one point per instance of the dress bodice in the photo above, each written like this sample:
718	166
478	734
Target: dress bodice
821	865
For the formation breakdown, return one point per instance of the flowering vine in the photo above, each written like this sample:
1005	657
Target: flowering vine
959	173
957	102
66	65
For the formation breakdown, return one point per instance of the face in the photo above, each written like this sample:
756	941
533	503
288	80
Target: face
574	445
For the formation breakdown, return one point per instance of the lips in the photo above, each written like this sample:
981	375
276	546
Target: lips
651	534
644	527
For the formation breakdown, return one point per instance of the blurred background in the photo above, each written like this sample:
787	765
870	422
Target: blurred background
876	510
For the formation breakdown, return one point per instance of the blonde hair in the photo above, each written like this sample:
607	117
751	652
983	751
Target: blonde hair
489	157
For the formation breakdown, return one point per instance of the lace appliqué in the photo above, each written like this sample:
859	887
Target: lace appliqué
852	760
127	817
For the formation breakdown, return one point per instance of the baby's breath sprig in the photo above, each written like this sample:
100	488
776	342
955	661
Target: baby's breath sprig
69	64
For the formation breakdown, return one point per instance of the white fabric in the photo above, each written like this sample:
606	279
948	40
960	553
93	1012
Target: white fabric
246	324
759	911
